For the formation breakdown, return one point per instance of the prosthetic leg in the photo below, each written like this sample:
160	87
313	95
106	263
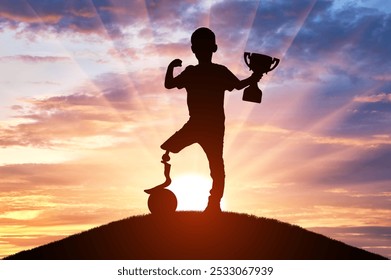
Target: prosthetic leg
162	200
167	168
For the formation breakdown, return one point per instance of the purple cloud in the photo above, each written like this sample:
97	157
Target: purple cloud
85	17
34	59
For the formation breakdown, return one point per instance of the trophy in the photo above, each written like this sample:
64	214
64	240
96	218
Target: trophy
260	64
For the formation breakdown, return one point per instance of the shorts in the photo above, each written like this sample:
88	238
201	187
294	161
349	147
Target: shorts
207	135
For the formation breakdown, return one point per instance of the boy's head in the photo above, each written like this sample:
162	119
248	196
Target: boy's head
203	42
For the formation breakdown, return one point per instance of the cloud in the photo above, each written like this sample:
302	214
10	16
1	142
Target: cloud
240	14
310	166
367	142
381	97
354	35
101	109
35	59
371	238
344	40
22	11
371	167
169	18
333	58
43	202
98	17
105	110
277	23
37	180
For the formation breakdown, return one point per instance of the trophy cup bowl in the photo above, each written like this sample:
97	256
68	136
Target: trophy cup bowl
260	64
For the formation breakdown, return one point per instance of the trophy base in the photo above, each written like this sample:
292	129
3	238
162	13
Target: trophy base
252	94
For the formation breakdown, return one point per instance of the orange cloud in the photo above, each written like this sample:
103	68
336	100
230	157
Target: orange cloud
381	97
30	18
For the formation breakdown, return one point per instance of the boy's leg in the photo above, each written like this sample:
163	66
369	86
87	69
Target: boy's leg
214	152
180	139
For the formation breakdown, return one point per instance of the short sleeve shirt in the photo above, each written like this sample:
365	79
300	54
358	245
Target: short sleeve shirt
205	86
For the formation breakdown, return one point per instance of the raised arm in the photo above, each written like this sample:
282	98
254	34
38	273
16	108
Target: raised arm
169	81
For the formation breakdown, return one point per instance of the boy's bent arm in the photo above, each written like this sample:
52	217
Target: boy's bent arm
253	79
169	81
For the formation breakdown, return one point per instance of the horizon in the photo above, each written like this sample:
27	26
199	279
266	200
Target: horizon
84	112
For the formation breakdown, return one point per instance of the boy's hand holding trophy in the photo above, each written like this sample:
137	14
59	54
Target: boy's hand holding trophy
260	64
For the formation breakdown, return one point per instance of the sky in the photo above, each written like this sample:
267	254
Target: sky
84	112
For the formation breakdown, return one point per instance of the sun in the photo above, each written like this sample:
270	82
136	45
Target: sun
192	191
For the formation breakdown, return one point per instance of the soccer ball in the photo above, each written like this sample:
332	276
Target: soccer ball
162	202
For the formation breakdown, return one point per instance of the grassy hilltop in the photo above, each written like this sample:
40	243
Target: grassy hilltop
194	235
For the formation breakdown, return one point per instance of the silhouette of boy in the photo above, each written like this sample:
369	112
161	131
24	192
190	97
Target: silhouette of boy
205	84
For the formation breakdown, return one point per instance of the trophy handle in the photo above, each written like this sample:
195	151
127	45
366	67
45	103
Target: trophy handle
275	61
247	54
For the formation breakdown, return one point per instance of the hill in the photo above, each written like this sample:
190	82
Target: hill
194	235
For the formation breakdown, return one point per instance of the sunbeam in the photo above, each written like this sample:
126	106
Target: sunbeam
283	49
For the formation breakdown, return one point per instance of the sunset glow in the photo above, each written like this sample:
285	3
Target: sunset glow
84	112
192	191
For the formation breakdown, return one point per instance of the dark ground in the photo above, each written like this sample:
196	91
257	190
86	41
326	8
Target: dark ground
195	235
